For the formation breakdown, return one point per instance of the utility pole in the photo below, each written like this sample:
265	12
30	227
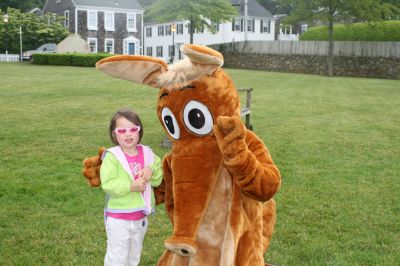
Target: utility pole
245	19
173	29
6	18
20	43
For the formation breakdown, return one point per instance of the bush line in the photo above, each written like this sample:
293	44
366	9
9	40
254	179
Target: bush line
68	59
374	31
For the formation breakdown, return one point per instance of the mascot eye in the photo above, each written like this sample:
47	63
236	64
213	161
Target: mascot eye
170	123
197	118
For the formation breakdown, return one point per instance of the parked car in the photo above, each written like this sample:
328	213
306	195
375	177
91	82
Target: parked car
45	48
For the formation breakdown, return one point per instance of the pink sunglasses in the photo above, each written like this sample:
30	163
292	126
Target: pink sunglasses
123	130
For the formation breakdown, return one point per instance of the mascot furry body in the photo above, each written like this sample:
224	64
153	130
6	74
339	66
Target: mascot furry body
219	178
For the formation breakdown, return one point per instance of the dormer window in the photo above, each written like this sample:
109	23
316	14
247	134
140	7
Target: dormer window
131	22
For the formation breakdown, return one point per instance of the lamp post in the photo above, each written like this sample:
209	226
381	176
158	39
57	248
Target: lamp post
6	18
173	29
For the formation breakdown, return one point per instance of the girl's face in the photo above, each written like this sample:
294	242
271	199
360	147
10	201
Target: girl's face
127	140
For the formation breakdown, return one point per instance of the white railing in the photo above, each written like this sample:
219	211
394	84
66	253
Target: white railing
288	37
9	57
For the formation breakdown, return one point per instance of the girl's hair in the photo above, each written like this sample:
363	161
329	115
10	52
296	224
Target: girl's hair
128	114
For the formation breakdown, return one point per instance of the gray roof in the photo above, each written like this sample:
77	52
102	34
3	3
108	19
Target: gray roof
254	9
126	4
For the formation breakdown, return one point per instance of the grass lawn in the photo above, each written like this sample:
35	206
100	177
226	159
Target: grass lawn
335	140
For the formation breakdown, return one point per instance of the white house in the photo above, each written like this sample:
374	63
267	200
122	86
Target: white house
254	23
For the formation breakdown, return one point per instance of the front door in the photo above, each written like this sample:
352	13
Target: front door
131	48
131	45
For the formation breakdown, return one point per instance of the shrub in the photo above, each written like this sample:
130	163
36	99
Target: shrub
68	59
40	59
374	31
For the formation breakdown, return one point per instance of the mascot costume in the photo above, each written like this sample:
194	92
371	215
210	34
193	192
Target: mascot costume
219	178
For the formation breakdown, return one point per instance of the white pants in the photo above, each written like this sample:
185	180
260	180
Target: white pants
124	241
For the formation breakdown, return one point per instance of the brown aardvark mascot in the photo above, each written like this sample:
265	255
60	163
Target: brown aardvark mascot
219	178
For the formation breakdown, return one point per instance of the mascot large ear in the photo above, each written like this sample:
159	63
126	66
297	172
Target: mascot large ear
205	58
136	68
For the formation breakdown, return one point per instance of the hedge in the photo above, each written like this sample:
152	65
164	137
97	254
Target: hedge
68	59
374	31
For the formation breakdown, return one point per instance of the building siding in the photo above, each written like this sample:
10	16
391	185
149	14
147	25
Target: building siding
59	8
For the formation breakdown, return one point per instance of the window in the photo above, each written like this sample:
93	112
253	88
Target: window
215	27
171	51
109	21
148	32
92	44
304	27
149	51
131	22
66	18
51	19
201	30
265	26
160	30
250	25
179	28
159	51
189	28
92	20
237	24
109	46
167	29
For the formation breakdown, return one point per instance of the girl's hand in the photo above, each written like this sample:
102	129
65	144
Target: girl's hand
145	173
138	185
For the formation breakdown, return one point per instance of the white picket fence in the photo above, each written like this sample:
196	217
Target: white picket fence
9	57
367	49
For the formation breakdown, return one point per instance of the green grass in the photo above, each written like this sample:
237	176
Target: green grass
335	140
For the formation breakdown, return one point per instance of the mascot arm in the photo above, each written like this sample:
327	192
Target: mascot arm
247	159
91	168
163	192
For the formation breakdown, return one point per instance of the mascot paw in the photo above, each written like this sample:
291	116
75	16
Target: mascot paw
230	133
91	169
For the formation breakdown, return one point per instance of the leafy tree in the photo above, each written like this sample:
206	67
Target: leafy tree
36	30
24	5
200	13
330	11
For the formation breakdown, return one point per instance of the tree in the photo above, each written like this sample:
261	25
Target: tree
24	5
37	30
331	11
200	13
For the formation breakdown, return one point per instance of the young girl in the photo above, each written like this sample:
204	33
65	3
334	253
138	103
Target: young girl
127	173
